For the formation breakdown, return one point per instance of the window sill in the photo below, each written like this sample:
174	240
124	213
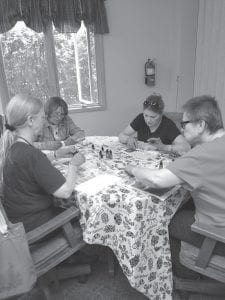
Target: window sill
85	108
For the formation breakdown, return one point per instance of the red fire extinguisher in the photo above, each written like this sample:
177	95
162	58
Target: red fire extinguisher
150	72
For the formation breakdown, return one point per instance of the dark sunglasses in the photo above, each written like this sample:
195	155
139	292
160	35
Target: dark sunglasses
151	103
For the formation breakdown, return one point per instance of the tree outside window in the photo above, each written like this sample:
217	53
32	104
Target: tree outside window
24	56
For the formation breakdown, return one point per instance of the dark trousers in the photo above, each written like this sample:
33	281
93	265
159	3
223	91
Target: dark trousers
180	230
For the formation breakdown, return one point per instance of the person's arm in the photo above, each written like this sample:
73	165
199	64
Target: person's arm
62	152
66	189
50	179
179	145
76	134
128	137
48	145
154	178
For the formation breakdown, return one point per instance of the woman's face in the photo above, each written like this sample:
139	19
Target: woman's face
191	130
57	116
151	118
38	122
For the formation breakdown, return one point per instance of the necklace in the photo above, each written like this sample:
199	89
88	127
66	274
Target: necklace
26	141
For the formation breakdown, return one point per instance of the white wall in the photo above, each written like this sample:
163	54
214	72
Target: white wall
160	29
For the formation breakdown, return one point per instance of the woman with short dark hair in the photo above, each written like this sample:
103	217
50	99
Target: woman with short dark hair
59	129
153	129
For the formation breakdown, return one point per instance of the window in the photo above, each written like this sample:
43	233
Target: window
24	61
69	65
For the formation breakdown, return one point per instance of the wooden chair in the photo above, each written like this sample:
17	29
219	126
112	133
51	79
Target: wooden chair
203	261
53	242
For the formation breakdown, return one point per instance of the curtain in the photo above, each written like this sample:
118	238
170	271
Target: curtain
66	15
210	52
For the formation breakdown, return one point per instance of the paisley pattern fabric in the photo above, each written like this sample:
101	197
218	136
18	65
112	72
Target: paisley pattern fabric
133	223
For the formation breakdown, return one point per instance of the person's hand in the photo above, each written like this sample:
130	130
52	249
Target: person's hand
129	169
77	160
67	151
132	142
145	146
72	141
69	141
156	143
52	145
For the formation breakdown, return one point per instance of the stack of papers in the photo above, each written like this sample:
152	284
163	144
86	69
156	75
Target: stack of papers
98	183
160	193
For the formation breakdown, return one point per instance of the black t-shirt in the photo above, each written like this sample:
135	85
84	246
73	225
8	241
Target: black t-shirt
29	180
167	130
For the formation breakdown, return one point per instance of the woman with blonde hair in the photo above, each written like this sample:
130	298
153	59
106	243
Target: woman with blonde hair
29	181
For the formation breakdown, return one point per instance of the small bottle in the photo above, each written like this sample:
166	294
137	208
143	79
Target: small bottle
107	153
100	154
161	164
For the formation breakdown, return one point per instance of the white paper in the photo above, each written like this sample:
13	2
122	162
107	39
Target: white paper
96	184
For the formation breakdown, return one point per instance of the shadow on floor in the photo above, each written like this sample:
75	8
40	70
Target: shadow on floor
100	286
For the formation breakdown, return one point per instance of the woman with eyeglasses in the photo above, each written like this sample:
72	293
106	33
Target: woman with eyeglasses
152	130
59	129
29	181
200	171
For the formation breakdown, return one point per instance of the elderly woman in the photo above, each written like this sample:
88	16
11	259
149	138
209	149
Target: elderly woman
29	181
59	129
154	130
200	170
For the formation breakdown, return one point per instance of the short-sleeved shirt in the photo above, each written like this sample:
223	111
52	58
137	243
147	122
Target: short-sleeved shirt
202	169
167	130
66	129
29	180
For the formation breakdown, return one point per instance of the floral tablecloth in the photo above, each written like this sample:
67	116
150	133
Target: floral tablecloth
131	222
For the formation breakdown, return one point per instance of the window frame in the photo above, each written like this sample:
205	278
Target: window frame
53	79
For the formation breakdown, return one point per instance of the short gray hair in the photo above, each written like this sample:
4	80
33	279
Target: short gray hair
205	108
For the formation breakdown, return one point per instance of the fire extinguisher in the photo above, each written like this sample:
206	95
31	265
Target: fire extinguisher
150	72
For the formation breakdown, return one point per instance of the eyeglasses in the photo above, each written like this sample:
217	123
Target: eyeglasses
59	114
154	100
152	103
184	123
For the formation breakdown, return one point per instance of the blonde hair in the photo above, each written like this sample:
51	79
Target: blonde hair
17	111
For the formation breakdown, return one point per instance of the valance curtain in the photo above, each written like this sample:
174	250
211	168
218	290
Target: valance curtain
66	15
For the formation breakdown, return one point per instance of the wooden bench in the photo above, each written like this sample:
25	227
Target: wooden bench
203	261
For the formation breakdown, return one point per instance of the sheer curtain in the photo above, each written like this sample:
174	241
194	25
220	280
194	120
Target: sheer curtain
210	52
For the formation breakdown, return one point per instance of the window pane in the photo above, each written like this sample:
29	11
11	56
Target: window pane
75	55
24	60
